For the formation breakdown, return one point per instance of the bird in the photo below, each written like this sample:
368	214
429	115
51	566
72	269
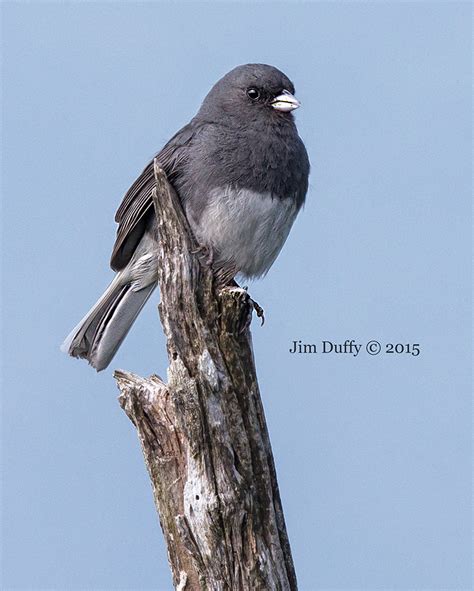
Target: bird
241	172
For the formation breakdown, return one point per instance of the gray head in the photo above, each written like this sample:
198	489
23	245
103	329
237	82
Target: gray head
251	90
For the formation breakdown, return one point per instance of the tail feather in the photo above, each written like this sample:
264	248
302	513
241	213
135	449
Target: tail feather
101	332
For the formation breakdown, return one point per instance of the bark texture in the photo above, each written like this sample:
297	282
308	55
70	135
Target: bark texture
203	433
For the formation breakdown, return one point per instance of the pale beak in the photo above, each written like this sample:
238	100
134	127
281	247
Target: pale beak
285	102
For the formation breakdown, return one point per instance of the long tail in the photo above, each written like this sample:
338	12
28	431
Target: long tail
100	333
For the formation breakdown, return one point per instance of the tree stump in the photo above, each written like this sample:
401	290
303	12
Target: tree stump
203	433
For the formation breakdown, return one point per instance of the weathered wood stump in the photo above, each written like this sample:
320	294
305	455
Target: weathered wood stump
203	434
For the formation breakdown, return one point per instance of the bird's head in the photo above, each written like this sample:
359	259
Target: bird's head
250	91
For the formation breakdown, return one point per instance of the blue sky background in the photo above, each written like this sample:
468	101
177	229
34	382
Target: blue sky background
373	453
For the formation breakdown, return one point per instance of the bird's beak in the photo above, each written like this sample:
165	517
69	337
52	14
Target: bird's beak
285	102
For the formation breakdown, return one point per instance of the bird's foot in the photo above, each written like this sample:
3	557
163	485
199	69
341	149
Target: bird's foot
256	306
259	311
205	254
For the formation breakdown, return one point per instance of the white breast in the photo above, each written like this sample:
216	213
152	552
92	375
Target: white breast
246	230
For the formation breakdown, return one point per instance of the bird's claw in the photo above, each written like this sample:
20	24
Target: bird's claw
205	254
259	311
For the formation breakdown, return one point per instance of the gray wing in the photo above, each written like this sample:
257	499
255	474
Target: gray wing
137	205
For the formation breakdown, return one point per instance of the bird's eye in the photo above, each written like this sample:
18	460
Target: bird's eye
253	93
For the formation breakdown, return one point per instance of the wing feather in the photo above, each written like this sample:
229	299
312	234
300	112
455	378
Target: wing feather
137	203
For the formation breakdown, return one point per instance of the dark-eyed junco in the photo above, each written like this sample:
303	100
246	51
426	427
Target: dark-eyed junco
241	172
